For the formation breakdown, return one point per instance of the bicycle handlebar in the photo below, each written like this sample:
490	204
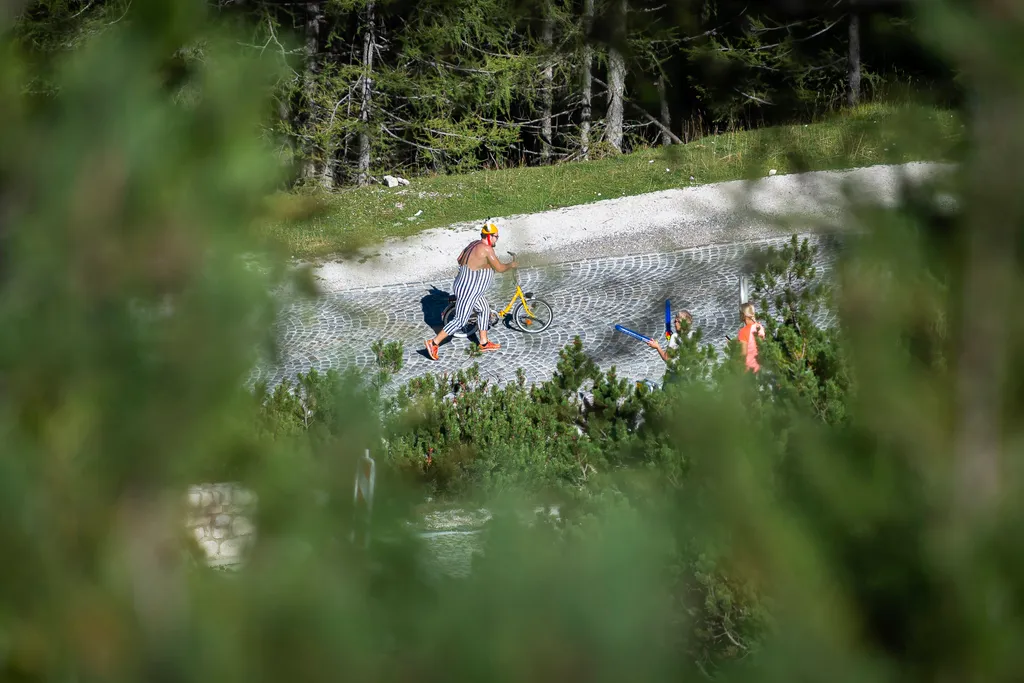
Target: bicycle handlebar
515	271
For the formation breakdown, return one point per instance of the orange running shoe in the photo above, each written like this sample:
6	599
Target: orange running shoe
490	346
431	349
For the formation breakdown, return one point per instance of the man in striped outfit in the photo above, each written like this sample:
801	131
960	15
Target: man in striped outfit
477	264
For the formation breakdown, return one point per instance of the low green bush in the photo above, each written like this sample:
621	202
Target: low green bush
592	442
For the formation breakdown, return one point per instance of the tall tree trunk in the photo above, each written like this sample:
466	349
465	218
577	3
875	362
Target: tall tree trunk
853	57
616	82
643	112
547	96
586	76
312	165
366	92
666	115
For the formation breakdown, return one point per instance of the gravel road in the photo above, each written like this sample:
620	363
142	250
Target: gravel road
665	221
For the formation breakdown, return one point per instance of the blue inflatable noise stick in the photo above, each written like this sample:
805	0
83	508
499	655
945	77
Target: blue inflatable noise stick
668	319
631	333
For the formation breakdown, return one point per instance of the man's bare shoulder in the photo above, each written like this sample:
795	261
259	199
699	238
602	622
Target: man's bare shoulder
470	250
484	252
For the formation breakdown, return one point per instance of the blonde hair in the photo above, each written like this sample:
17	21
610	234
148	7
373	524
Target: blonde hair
747	311
684	315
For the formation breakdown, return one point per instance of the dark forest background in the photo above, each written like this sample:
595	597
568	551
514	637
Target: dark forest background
377	86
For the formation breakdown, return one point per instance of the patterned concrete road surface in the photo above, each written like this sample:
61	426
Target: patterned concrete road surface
588	297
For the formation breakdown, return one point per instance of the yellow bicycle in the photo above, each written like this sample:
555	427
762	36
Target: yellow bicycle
524	312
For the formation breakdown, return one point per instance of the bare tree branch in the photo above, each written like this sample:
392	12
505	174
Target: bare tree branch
754	98
411	142
123	14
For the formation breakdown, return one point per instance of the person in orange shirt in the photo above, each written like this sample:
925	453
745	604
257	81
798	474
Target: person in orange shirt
746	335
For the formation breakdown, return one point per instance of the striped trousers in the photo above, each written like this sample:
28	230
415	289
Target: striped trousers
469	288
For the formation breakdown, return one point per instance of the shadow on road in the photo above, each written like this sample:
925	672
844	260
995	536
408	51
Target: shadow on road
432	305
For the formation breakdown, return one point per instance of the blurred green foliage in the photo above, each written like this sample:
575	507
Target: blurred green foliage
811	522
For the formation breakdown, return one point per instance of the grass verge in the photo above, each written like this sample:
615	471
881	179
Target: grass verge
337	224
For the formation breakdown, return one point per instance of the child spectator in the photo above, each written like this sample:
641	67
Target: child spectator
673	340
746	335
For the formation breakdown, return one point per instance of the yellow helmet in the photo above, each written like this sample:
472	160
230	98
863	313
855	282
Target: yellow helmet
489	228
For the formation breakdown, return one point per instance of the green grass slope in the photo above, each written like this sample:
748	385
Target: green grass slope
320	226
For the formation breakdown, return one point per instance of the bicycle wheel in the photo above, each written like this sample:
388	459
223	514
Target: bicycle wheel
538	322
468	329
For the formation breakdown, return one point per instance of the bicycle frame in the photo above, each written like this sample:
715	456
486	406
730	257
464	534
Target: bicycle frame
518	295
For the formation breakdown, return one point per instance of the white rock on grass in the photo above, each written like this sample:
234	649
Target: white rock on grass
394	181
